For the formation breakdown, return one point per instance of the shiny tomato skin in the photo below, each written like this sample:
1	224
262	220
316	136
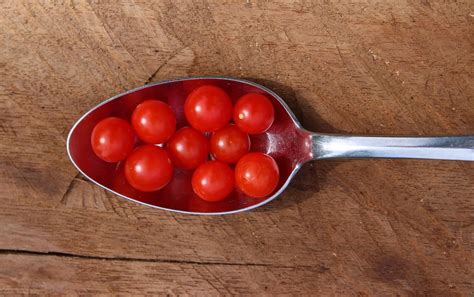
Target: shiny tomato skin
208	108
254	113
229	144
213	181
112	139
188	148
154	121
148	168
256	175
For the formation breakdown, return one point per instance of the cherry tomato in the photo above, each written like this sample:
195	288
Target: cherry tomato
112	139
213	181
229	144
208	108
254	113
154	121
148	168
188	148
120	183
256	174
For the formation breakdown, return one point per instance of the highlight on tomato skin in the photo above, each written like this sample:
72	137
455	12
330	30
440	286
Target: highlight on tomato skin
148	168
254	113
257	175
229	144
208	108
112	139
188	148
213	181
154	121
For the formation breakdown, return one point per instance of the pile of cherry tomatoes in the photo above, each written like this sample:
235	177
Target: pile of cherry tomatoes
217	151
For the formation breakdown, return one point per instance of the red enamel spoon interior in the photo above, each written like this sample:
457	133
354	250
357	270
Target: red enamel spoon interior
286	141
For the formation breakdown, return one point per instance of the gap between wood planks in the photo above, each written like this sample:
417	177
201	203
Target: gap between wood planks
320	268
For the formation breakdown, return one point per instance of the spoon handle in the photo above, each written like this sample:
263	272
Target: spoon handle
326	146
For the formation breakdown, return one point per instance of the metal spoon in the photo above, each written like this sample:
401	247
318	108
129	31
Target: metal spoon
286	141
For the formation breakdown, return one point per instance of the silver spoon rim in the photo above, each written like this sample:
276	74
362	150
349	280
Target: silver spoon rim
265	89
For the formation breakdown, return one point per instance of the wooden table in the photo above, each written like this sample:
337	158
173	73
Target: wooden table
360	227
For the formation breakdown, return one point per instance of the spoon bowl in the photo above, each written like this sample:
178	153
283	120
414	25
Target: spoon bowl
178	194
286	141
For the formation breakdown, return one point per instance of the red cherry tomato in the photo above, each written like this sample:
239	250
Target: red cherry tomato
112	139
257	174
208	108
188	148
148	168
213	181
154	121
121	185
229	144
254	113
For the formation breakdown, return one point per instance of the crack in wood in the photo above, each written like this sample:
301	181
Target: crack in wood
70	187
319	268
82	178
153	75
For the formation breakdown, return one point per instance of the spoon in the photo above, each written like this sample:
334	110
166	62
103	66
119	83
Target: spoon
286	141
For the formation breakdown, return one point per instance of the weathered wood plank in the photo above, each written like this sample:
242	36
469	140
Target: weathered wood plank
61	275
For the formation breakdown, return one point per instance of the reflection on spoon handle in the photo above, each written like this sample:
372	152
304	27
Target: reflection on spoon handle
327	146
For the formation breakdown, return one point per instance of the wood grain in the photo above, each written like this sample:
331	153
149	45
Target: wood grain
364	227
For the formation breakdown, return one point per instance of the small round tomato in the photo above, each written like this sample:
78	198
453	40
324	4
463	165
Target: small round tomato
213	181
208	108
148	168
112	139
154	121
254	113
120	183
257	174
188	148
229	144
